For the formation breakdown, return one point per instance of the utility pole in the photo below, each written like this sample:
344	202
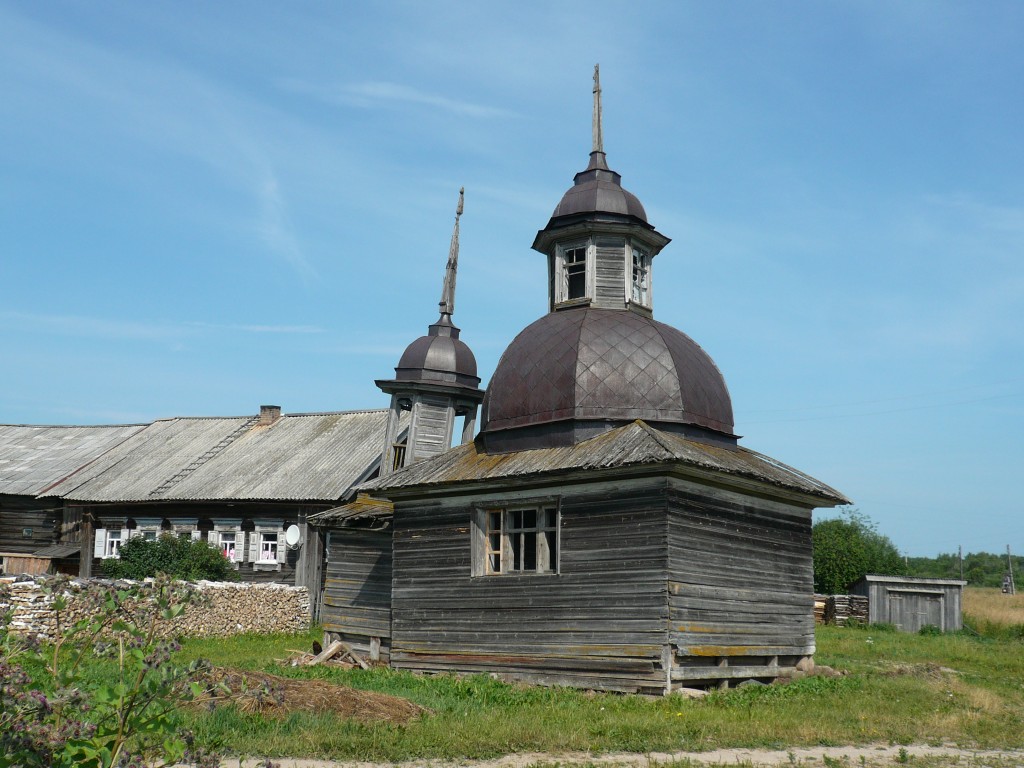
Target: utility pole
960	558
1009	569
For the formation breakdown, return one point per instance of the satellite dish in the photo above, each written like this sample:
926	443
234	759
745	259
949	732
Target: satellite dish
292	536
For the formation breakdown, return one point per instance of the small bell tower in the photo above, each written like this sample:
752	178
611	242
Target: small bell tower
435	381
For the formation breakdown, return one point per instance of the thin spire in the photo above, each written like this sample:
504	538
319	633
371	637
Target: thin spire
597	159
447	303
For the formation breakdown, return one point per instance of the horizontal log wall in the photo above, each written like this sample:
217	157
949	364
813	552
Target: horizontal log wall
598	623
21	514
740	585
356	605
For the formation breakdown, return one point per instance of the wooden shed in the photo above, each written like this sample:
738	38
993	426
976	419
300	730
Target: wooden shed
911	603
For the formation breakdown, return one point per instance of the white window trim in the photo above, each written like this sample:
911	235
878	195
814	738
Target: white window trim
103	544
561	279
483	534
256	548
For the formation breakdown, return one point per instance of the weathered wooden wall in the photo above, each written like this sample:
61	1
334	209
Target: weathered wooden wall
40	517
610	277
356	605
598	623
740	585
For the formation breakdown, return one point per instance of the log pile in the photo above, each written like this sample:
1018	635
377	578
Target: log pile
846	609
218	609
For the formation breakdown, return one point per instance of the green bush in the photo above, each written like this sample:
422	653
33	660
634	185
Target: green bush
179	558
848	548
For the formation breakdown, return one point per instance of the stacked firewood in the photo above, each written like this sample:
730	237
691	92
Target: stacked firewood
845	609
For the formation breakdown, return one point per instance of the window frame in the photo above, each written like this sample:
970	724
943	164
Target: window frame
561	275
644	299
503	533
234	526
262	529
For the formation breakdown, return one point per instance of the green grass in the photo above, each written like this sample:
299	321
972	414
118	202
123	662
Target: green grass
899	689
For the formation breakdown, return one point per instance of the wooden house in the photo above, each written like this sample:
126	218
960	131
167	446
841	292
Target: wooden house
911	603
33	537
605	529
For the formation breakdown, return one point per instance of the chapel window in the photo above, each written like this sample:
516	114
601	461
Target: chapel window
517	540
640	277
573	268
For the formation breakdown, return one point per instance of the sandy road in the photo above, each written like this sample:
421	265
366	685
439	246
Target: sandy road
868	757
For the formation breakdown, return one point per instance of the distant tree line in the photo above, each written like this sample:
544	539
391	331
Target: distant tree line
981	569
849	547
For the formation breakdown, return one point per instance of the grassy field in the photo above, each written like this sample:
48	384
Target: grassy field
896	688
992	613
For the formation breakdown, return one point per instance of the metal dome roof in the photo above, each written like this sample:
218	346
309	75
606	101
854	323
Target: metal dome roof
611	365
440	357
598	189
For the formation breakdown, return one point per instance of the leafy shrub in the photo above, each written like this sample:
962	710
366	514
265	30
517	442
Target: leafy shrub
177	557
53	714
848	548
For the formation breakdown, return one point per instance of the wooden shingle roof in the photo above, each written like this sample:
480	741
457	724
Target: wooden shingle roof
634	445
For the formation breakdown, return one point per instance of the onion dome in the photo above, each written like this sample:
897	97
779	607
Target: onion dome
571	375
598	189
440	357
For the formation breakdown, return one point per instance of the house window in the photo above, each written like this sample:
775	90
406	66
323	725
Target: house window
268	548
228	542
114	542
572	273
227	536
107	541
640	281
149	535
517	540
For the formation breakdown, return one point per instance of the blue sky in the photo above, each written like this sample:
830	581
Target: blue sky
209	206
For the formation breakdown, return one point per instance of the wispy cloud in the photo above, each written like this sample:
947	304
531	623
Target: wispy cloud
373	94
246	328
78	325
276	230
94	327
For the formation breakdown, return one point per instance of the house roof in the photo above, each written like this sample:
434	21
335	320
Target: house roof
299	457
363	508
634	445
33	458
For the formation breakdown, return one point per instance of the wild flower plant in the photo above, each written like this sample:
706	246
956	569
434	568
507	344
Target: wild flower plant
52	714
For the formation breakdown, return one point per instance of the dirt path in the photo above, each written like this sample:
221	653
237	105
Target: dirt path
869	757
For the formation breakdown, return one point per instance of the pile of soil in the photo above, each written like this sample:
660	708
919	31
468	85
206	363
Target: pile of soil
272	695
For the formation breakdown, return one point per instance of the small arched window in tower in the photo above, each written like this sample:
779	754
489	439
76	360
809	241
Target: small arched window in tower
640	288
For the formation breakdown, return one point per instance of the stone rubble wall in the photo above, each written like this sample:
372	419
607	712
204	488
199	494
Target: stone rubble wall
218	609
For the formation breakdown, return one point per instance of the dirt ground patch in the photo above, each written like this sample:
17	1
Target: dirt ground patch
272	695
